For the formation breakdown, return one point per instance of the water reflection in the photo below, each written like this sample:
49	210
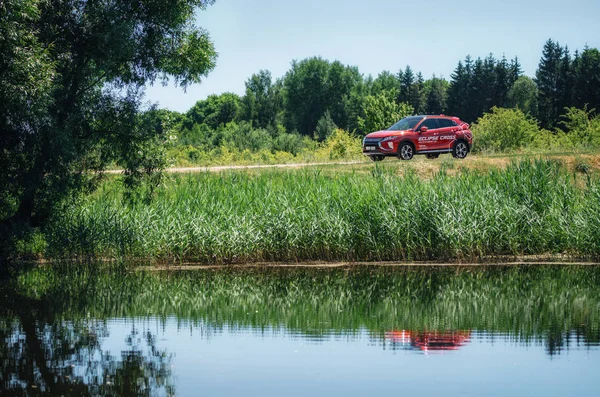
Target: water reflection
55	323
427	341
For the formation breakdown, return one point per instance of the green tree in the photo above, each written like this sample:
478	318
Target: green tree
214	111
436	93
587	79
386	82
524	95
305	97
407	81
262	101
325	127
548	80
86	63
458	92
380	112
314	86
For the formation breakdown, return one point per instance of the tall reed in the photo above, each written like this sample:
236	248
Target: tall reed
532	207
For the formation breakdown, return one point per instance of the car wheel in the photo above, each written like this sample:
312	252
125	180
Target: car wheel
460	150
377	158
406	151
432	156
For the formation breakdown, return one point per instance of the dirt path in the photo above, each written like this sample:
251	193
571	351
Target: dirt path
181	170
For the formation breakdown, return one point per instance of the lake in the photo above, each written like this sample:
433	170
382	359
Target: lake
353	331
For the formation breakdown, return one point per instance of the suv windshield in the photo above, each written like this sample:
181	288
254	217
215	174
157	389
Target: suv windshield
407	123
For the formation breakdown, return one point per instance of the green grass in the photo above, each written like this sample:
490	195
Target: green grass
529	208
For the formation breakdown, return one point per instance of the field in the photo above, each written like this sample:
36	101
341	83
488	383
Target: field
441	210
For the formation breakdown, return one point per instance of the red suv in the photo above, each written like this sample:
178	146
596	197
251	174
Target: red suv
428	135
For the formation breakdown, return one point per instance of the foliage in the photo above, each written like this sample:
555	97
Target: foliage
325	127
214	112
503	130
524	95
530	208
341	145
436	95
314	86
582	127
479	85
263	100
72	78
380	112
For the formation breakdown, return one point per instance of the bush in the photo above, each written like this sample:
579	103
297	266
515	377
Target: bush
381	112
341	145
582	127
503	130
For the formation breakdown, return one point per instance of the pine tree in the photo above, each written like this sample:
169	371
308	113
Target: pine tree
406	85
547	80
565	82
514	71
457	92
501	83
416	99
587	79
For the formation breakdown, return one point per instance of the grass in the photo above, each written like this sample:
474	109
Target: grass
529	208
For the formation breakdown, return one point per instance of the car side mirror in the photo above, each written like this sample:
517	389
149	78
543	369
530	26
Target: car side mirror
423	129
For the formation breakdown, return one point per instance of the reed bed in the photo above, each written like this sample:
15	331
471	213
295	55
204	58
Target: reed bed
529	208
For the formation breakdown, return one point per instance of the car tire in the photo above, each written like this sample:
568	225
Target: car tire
460	150
432	156
406	151
377	158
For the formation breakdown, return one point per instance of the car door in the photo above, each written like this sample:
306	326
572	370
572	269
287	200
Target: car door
428	140
447	133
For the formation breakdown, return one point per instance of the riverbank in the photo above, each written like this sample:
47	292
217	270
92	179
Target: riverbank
537	207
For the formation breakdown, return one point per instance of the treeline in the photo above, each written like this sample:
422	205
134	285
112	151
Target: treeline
317	96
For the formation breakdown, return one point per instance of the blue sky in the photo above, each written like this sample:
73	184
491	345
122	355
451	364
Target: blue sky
376	35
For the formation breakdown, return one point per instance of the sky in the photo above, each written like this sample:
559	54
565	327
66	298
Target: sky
429	35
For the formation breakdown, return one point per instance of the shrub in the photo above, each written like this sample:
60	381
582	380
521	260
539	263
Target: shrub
381	112
504	129
582	127
341	145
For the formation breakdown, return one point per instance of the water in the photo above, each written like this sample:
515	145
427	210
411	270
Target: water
298	332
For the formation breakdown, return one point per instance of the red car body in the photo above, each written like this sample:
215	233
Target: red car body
429	135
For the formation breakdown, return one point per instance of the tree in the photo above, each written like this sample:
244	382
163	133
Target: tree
87	63
386	82
547	79
501	83
214	111
587	79
458	92
314	86
304	94
436	95
325	127
380	112
407	82
524	95
262	101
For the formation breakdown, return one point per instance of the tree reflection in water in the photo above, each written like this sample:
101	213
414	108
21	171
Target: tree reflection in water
44	355
53	321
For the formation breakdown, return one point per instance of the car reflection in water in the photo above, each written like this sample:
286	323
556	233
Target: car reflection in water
427	341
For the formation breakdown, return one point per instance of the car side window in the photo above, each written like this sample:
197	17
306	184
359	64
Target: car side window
445	123
431	124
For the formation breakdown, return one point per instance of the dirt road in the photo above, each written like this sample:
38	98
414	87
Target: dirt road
180	170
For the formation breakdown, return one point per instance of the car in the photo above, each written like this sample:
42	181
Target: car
430	135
